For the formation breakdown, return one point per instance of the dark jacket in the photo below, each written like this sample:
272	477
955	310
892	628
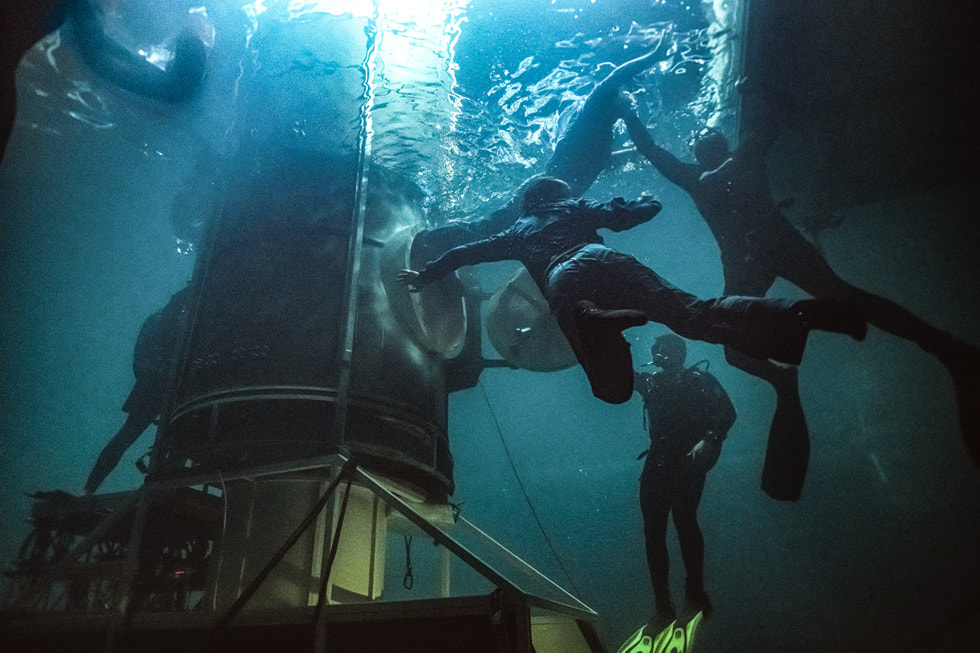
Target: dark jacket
682	410
548	235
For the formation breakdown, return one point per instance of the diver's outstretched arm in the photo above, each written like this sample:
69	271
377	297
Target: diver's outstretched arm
780	106
676	171
135	424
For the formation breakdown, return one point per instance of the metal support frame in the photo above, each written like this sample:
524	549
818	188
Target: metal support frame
519	587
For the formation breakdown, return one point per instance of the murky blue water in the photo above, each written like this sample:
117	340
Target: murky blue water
466	99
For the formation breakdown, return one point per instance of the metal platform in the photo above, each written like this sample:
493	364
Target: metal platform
295	557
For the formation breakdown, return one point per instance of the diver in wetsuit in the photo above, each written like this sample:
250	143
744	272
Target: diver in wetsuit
759	244
152	361
583	150
596	292
27	22
688	414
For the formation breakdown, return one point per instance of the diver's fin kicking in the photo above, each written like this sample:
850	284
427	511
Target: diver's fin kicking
788	448
605	353
963	363
673	639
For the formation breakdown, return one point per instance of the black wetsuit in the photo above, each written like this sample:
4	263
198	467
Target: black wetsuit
153	357
756	241
681	410
561	249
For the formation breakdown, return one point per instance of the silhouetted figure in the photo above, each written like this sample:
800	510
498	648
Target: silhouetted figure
758	244
153	359
688	414
582	151
25	22
596	292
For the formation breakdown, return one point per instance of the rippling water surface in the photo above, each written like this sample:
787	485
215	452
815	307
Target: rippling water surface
466	97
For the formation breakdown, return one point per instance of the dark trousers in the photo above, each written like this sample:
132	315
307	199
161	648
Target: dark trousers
759	327
672	487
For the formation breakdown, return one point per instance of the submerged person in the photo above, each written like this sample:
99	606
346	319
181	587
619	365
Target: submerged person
583	150
758	244
688	415
153	358
28	21
596	292
25	22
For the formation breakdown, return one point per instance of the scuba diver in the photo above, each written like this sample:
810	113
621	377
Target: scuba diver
153	359
582	151
596	292
28	21
758	244
687	414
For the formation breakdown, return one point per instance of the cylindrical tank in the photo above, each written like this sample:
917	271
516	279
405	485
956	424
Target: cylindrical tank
297	342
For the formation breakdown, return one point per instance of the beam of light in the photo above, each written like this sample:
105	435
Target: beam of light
403	11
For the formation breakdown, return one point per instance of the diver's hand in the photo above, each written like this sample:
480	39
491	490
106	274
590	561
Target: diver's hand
702	449
696	450
412	279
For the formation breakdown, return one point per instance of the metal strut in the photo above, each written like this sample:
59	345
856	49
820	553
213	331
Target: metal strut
365	138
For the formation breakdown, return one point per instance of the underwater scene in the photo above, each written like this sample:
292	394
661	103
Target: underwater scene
246	205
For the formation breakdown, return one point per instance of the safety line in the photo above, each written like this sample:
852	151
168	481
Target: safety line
527	498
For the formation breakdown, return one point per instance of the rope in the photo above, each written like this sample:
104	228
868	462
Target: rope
527	498
409	579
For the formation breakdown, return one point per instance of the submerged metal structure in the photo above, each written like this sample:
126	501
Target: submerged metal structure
294	342
169	568
302	442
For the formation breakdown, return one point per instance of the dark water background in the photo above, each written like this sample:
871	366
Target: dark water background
880	553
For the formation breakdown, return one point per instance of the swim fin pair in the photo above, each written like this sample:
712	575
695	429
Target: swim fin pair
672	639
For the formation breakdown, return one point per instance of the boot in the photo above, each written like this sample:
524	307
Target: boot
696	600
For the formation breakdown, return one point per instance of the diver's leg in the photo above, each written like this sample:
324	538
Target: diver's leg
801	263
610	86
804	266
687	490
595	335
759	327
655	509
606	354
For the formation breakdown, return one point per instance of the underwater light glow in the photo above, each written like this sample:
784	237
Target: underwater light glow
401	10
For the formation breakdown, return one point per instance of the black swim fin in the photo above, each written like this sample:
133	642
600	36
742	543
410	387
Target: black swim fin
788	449
964	366
606	354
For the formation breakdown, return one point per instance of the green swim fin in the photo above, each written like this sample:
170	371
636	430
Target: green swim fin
672	639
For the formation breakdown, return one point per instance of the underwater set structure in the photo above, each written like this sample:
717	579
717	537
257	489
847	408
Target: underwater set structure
233	419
